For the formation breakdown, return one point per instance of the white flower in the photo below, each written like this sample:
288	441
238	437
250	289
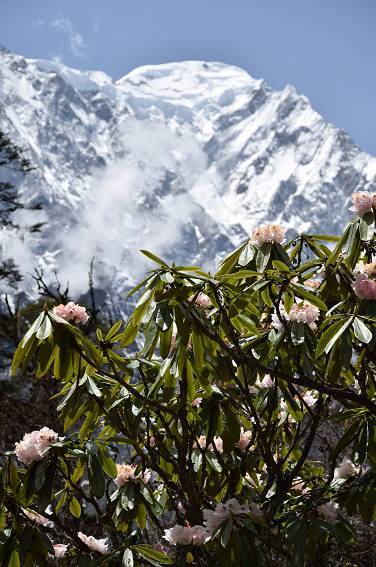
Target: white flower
34	445
309	399
245	439
186	535
60	550
99	545
38	519
266	382
345	469
268	233
303	312
328	511
218	444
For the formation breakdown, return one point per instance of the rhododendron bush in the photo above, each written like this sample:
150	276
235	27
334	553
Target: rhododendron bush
231	420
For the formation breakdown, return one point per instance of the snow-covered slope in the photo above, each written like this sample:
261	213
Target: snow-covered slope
184	159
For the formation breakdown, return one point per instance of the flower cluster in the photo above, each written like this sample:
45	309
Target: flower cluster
198	535
328	511
268	233
266	382
202	301
345	469
201	442
363	202
245	439
99	545
72	312
34	445
125	473
370	269
186	535
303	312
365	287
60	550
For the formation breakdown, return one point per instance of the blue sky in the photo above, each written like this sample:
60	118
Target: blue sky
325	48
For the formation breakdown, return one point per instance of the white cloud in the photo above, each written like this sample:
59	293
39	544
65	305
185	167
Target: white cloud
77	43
126	209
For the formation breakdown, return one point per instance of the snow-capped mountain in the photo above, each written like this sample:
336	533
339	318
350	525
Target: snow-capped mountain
184	159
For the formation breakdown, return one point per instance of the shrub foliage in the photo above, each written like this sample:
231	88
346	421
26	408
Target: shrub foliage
238	409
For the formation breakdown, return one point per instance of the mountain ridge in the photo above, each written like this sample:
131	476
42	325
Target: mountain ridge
183	158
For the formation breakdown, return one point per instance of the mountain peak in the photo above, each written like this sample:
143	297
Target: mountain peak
183	158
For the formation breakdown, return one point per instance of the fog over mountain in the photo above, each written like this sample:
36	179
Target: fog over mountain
183	159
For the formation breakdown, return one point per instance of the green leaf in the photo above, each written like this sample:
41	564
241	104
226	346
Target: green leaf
14	559
152	555
361	331
113	331
45	328
311	297
226	532
75	507
331	335
281	266
367	226
33	329
247	255
288	300
96	478
155	258
107	464
263	256
297	332
231	260
93	388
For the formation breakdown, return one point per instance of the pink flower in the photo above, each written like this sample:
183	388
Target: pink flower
363	201
345	469
125	473
99	545
60	550
218	444
201	442
364	287
313	284
299	486
196	402
244	440
268	233
329	512
186	535
72	312
202	300
38	519
152	441
370	269
34	445
303	312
